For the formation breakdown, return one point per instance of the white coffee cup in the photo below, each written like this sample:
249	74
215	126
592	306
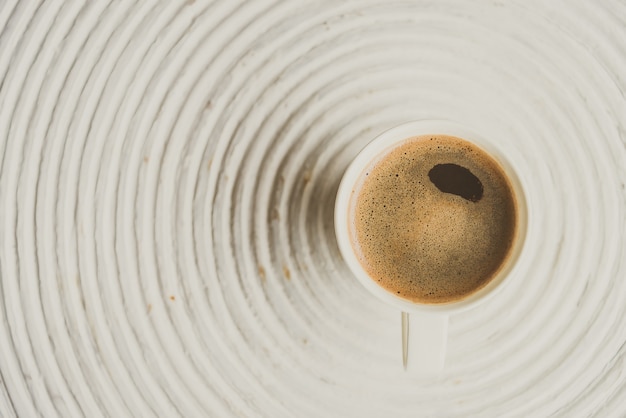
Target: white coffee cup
425	335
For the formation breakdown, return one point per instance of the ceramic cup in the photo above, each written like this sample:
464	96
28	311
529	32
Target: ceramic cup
424	326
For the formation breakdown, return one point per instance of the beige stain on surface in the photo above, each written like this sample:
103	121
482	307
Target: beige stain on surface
306	178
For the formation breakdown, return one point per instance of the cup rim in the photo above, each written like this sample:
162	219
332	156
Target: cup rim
380	146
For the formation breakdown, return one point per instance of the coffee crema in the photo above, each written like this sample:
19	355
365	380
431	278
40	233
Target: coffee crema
434	219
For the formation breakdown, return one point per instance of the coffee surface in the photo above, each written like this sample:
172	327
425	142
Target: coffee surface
434	219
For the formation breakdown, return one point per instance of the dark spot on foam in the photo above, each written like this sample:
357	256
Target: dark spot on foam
454	179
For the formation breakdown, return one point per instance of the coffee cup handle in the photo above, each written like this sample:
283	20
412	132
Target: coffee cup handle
424	340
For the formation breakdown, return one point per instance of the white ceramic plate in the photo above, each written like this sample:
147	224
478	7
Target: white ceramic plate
167	179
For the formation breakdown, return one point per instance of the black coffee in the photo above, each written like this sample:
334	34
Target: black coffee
435	219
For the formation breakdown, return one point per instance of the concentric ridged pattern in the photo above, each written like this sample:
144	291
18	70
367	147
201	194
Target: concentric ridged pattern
167	180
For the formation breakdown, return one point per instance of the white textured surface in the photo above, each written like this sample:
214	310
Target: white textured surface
167	181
